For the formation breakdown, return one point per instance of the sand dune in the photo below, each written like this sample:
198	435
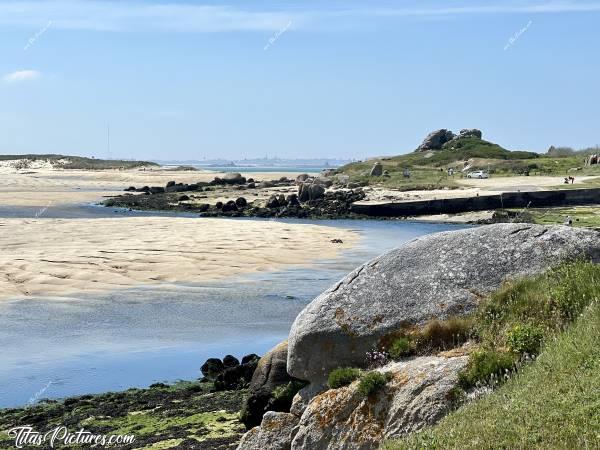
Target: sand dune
43	257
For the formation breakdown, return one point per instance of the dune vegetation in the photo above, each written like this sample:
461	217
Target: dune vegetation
539	344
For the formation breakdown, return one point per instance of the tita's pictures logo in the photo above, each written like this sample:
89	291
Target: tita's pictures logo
26	436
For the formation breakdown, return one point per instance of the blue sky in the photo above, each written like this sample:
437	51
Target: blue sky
188	80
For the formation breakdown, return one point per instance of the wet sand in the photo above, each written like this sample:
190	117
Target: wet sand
56	257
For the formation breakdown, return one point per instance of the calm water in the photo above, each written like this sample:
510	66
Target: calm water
133	338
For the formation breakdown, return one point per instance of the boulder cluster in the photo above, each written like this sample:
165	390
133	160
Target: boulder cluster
436	139
432	278
229	373
312	199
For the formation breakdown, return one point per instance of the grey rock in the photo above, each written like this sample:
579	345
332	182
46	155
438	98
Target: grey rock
472	132
302	177
230	361
377	170
304	396
274	433
417	395
436	139
270	373
273	202
435	276
310	191
212	368
233	178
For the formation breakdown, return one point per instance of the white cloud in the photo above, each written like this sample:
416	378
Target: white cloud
21	75
131	15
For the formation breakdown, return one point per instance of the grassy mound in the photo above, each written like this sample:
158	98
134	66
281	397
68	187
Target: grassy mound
77	162
428	168
553	402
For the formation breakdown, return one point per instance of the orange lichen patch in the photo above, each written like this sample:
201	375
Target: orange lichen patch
399	378
329	405
367	425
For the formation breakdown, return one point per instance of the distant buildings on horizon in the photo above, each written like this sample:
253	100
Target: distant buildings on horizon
261	162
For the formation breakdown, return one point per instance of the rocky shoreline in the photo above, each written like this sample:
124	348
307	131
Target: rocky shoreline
233	195
390	349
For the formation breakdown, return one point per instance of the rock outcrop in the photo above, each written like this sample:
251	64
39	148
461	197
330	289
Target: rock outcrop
310	191
275	433
377	170
469	133
270	373
436	139
436	276
233	178
419	393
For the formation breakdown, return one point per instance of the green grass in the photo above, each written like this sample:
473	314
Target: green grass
342	376
553	402
583	216
435	336
477	153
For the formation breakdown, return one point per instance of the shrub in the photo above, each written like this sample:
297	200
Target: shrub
286	392
342	376
441	335
400	347
525	339
483	364
578	287
371	383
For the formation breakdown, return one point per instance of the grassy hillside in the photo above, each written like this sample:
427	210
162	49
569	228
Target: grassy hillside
78	162
428	168
553	402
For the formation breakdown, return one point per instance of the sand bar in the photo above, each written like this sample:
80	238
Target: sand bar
53	257
43	187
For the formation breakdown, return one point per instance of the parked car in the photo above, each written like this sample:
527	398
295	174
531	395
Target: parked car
478	174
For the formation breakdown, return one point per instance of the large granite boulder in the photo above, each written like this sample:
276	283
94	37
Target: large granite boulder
436	139
418	394
435	276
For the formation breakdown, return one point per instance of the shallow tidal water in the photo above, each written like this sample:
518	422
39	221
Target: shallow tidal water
59	347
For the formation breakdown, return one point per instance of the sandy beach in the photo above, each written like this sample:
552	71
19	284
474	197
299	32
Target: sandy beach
53	257
44	186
